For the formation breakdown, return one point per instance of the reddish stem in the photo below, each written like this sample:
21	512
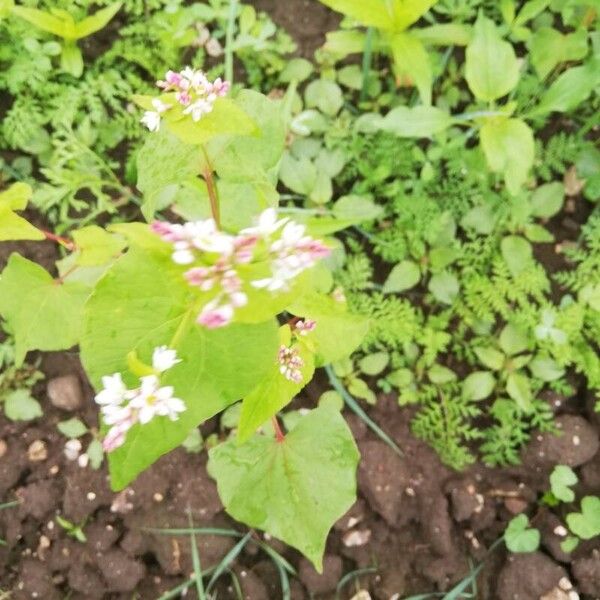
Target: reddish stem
68	244
212	196
279	435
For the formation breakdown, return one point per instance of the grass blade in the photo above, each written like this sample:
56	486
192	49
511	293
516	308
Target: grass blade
227	560
357	409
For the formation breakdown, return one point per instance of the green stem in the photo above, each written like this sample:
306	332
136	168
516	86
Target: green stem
211	188
229	40
366	63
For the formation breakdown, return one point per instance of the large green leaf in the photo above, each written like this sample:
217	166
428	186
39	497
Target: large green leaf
586	524
45	21
491	68
509	149
272	394
143	302
43	313
337	333
166	168
295	489
570	89
411	62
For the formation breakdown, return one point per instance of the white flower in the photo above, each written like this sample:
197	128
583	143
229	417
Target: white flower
204	235
198	109
114	390
267	224
151	119
153	400
160	106
164	358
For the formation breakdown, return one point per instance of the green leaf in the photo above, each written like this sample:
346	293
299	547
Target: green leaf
517	387
72	428
43	20
95	453
444	34
356	208
530	10
360	389
519	537
517	253
96	246
338	332
299	175
509	149
547	200
297	69
513	339
272	394
19	405
394	15
44	314
143	302
549	47
295	489
71	59
444	286
490	357
491	67
166	168
415	122
586	524
97	21
12	226
404	275
546	368
478	385
562	479
226	118
411	62
325	95
440	374
374	364
570	89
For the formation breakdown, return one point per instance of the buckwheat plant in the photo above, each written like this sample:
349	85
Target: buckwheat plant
178	319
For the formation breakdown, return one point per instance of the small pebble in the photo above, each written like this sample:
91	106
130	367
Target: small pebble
91	496
576	440
65	392
158	497
37	451
357	537
560	531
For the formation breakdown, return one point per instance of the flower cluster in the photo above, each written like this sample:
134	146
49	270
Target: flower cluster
122	408
290	363
216	256
191	89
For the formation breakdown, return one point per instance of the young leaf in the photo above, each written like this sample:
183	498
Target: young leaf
546	368
375	363
295	489
491	68
12	226
411	62
478	385
415	122
97	21
72	428
404	275
519	537
43	20
562	479
490	357
43	313
517	253
586	524
19	405
324	95
143	302
517	387
570	89
71	59
444	286
547	200
549	47
337	333
509	149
